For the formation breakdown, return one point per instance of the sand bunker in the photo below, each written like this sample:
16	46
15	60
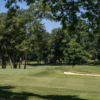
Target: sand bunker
72	73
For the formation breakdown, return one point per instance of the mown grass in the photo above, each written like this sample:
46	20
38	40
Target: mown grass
49	83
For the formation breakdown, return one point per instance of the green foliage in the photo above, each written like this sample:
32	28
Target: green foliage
75	53
76	49
57	36
64	10
22	32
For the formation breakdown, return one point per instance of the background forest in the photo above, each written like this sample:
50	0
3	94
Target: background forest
23	35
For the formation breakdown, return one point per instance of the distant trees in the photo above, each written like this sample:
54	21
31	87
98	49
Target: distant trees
23	35
57	36
3	39
72	45
75	53
21	32
17	34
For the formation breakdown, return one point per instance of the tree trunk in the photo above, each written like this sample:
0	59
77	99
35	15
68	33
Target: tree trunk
94	57
69	62
50	58
95	54
14	66
10	62
38	62
25	59
3	61
72	66
94	61
59	61
45	62
19	63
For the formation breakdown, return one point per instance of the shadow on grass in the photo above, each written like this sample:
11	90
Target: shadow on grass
7	94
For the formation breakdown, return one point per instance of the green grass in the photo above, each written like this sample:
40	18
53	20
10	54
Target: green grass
49	83
95	69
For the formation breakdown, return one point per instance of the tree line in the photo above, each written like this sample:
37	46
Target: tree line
22	35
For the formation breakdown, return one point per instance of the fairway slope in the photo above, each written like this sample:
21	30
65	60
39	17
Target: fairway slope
49	83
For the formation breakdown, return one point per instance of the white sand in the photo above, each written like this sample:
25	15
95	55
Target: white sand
71	73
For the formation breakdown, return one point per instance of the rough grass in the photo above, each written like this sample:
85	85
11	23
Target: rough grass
49	83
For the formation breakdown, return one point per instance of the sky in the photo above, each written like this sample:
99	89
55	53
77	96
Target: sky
48	24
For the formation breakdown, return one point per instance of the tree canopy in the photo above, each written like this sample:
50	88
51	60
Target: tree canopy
23	35
66	10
